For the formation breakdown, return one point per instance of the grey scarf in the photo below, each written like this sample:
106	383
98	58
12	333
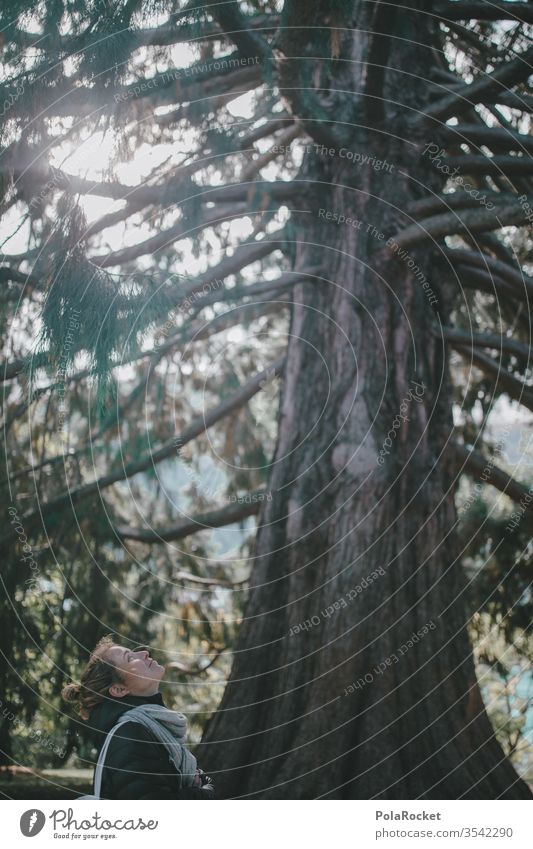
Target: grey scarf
170	728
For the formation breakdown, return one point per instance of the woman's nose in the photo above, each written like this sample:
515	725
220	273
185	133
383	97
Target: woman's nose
143	654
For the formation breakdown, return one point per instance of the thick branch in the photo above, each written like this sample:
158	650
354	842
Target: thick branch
470	221
12	275
475	464
180	230
456	200
167	449
174	191
234	512
236	26
501	379
167	34
246	199
515	311
188	578
213	96
505	76
271	126
475	278
490	241
486	340
161	194
483	11
497	138
265	288
513	100
242	256
523	102
196	669
200	80
176	186
522	282
262	160
491	166
13	368
198	331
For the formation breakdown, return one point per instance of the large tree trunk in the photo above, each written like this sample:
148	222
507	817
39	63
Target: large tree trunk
346	706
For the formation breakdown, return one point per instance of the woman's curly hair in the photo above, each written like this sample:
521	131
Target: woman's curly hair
96	679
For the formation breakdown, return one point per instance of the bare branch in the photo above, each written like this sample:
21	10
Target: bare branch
456	200
522	282
243	255
470	221
474	278
234	512
501	379
491	85
496	138
196	669
271	126
486	340
513	100
523	102
236	27
9	370
258	290
255	166
483	11
8	274
492	166
213	96
162	193
167	449
165	238
198	81
475	464
186	577
198	331
167	34
246	200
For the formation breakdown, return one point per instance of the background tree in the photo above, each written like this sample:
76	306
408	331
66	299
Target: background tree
324	201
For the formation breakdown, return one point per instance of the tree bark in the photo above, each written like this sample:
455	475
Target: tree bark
330	695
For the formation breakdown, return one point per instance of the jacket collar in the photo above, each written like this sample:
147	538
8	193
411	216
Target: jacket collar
106	714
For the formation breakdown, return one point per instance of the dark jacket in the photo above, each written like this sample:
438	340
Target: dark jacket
137	766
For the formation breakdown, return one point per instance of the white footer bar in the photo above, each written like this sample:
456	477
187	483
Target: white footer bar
258	824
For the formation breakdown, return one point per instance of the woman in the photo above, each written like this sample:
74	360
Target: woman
146	757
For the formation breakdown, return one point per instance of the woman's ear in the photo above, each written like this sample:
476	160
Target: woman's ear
118	691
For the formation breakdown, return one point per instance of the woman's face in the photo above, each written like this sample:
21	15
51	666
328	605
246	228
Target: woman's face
139	672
